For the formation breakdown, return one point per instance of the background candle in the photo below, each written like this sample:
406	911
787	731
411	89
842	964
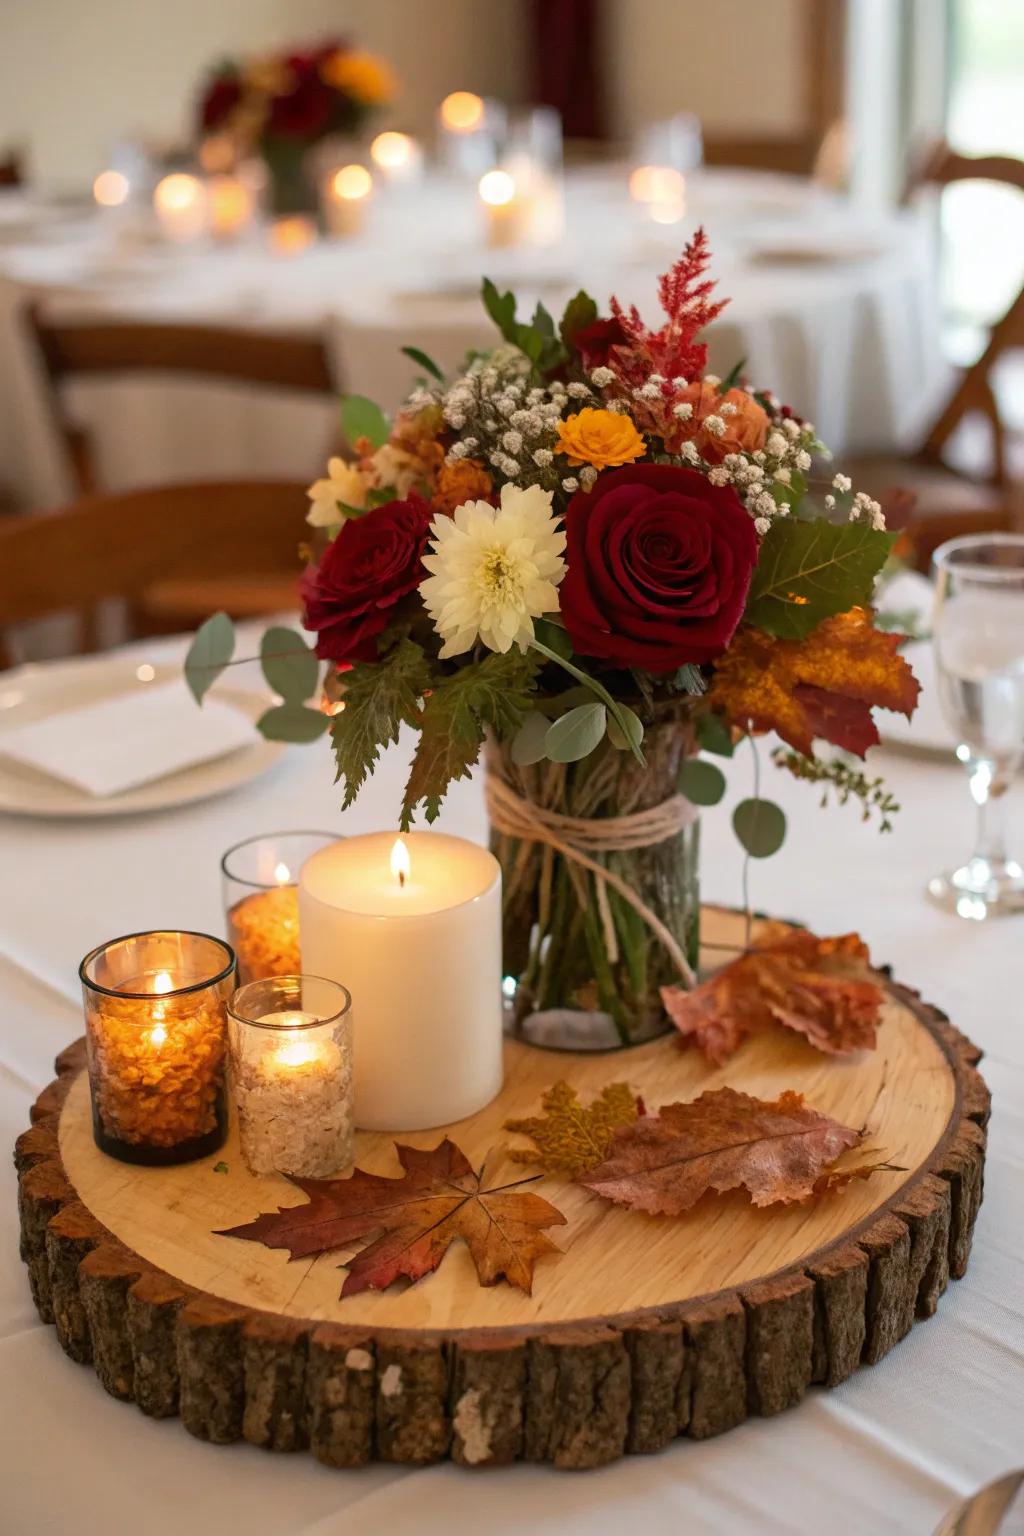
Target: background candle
261	904
345	204
180	203
506	214
422	960
291	1070
397	157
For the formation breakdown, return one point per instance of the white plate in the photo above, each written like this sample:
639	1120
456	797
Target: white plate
34	692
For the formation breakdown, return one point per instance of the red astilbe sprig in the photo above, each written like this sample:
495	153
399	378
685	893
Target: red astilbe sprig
673	351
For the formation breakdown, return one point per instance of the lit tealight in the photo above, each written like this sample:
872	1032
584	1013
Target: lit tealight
231	207
659	184
352	182
401	865
291	236
145	673
392	151
497	188
462	112
296	1053
180	203
282	874
110	189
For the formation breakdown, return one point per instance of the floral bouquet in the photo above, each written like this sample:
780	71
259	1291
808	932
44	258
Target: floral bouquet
278	106
598	564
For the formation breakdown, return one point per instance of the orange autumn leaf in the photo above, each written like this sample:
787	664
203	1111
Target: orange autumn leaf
413	1220
776	1150
823	989
824	685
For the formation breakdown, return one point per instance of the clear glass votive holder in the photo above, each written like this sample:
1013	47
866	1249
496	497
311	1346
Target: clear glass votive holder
260	879
155	1017
290	1041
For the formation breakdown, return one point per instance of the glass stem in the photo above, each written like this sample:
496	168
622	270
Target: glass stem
989	784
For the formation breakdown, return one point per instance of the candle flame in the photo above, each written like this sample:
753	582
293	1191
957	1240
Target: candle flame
157	1035
162	982
497	188
352	182
176	192
462	112
297	1053
391	150
400	862
282	874
110	189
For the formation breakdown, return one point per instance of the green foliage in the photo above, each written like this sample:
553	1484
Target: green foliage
538	340
576	734
689	679
760	826
363	418
213	646
554	637
702	783
846	781
289	665
492	694
630	739
292	722
580	312
379	698
733	377
715	736
425	362
528	744
808	571
615	709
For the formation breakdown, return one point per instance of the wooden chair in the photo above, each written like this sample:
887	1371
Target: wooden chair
948	502
233	545
73	349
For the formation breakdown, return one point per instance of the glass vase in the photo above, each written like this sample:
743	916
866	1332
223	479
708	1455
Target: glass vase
583	967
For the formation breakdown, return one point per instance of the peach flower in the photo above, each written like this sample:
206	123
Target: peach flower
604	439
744	429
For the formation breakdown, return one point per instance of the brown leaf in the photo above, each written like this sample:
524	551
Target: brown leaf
822	988
824	685
572	1138
418	1215
724	1140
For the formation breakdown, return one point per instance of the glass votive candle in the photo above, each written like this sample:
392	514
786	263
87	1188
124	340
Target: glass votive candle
155	1016
261	904
290	1040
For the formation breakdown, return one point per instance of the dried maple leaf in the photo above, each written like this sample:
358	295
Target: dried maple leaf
571	1137
822	988
418	1216
823	685
724	1140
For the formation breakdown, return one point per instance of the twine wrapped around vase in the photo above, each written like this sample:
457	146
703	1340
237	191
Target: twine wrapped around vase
577	838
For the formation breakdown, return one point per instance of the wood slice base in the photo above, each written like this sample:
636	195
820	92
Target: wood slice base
641	1330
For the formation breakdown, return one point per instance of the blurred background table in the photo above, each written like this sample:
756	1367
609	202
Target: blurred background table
839	313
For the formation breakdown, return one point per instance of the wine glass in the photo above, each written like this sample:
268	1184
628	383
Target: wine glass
979	655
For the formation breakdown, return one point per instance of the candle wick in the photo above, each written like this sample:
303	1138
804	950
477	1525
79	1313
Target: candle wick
401	879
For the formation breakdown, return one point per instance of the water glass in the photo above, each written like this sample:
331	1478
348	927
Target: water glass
979	653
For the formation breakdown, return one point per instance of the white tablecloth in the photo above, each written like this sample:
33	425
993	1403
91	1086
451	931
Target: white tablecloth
847	334
887	1452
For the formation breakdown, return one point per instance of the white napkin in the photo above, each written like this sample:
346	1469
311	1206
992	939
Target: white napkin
114	745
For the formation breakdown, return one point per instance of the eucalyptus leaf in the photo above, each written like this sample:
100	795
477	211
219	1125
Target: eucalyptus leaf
363	418
289	666
715	736
760	826
529	742
702	783
213	646
576	734
425	361
292	722
630	739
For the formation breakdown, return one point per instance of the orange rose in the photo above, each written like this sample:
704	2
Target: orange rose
461	480
746	427
604	439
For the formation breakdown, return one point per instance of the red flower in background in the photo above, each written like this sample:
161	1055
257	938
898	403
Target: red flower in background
595	341
659	563
303	112
221	99
374	562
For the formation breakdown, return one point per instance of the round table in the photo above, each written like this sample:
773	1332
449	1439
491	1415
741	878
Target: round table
891	1449
834	312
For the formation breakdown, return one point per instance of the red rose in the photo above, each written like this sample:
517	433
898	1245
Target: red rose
222	97
658	566
374	561
304	111
595	341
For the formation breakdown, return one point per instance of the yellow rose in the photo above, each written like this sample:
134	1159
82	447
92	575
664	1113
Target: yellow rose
601	438
362	75
344	484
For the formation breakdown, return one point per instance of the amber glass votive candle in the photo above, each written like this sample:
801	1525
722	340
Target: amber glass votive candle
291	1075
156	1016
261	904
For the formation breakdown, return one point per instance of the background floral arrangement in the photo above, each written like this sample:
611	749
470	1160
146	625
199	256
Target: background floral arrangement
278	105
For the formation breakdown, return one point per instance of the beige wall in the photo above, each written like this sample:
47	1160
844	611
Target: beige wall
77	74
738	64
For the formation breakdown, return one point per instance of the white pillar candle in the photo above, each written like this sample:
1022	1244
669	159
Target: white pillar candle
180	203
397	157
506	210
346	200
420	952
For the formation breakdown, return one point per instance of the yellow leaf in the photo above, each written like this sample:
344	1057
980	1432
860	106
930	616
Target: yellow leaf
572	1138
